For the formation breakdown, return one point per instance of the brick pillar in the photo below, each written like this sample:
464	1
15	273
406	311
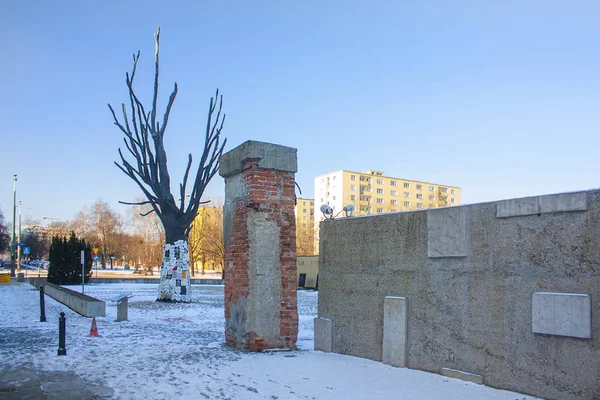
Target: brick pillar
259	232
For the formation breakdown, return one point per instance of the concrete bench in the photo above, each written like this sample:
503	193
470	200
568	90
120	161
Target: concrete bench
80	303
122	301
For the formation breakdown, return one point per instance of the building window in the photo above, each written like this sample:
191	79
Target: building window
303	203
392	210
364	198
392	183
365	179
394	193
431	198
431	188
452	200
333	198
334	177
352	197
419	187
419	195
379	210
406	184
352	177
379	200
353	187
380	181
304	218
394	202
312	203
304	224
379	191
444	190
419	205
406	194
407	204
452	191
304	210
322	200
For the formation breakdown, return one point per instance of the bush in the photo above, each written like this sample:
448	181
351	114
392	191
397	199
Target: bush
65	260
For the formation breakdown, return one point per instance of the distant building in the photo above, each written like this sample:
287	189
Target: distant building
372	192
305	239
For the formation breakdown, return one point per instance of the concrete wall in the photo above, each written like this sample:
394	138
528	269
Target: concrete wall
80	303
489	290
308	265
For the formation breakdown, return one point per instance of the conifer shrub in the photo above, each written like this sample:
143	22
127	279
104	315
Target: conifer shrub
65	260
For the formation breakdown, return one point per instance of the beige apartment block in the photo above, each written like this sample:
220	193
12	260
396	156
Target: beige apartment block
372	192
305	223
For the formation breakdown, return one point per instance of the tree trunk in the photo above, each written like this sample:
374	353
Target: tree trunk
175	282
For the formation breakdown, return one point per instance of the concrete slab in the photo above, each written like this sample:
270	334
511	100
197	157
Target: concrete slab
323	334
270	156
563	202
465	376
395	324
562	314
447	232
517	207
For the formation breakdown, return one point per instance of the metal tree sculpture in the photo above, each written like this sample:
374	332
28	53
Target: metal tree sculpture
143	139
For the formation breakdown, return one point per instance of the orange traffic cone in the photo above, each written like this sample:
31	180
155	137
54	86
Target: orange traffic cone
94	330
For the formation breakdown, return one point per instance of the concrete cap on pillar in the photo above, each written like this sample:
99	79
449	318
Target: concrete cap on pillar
270	156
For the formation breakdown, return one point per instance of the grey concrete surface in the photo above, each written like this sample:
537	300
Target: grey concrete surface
465	376
395	329
560	202
26	381
563	314
471	313
234	191
271	156
323	334
517	207
80	303
448	232
264	277
563	202
122	306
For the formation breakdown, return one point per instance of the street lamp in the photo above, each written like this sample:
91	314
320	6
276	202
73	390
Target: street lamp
12	238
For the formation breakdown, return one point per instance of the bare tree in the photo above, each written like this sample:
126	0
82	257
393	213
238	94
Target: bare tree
150	231
144	135
206	239
106	226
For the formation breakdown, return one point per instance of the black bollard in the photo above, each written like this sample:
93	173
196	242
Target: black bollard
42	305
62	350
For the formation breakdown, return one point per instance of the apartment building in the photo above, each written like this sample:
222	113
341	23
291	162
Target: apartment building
305	242
372	192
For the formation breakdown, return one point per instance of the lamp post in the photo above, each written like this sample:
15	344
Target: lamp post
19	242
12	238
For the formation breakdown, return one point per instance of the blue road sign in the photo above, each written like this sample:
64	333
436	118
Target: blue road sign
26	250
95	258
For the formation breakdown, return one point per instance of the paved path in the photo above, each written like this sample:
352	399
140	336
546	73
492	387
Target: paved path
25	381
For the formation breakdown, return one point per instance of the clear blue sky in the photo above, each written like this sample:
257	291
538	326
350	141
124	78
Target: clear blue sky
499	98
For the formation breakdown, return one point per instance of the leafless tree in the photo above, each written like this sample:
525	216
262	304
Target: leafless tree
206	239
144	134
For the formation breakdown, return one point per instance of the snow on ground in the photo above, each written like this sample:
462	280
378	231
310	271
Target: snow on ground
129	356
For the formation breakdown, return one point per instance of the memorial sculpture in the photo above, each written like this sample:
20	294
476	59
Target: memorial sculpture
144	134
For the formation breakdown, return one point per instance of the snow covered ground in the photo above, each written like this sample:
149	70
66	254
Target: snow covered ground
126	356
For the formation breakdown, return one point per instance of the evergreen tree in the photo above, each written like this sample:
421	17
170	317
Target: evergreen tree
65	260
